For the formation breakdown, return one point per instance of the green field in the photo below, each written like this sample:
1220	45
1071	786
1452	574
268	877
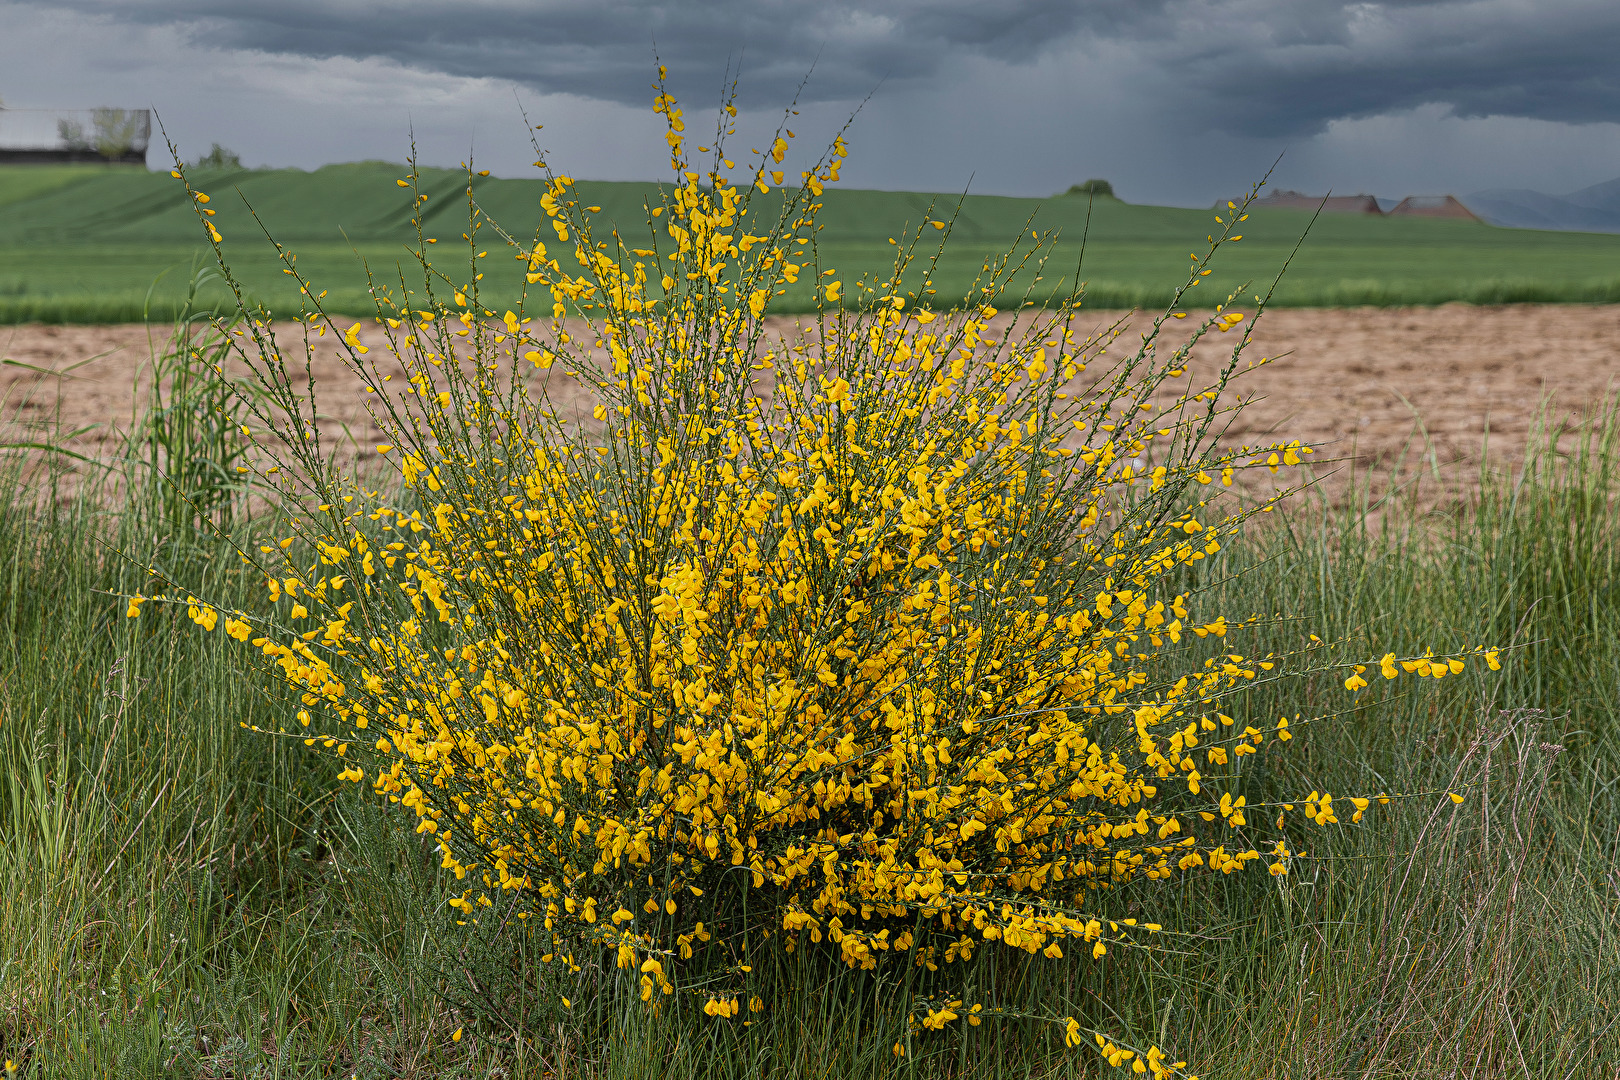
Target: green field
87	244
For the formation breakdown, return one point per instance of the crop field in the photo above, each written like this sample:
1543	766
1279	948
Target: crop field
941	695
97	245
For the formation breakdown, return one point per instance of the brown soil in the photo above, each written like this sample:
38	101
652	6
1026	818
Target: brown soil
1365	385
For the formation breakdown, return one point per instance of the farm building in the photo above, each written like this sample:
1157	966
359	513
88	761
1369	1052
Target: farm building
1437	206
1335	204
58	136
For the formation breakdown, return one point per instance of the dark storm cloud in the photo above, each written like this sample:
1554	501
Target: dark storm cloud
1254	67
1280	68
604	48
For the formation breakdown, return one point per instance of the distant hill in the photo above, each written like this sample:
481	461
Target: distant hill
1604	196
1591	209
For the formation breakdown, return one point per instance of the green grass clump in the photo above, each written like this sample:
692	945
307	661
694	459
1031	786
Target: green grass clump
80	244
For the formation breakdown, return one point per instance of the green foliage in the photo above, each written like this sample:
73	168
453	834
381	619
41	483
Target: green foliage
218	157
112	132
1095	188
185	445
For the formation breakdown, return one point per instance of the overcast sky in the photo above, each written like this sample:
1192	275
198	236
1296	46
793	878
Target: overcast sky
1174	101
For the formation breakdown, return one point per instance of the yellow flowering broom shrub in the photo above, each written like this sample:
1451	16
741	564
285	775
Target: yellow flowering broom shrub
875	637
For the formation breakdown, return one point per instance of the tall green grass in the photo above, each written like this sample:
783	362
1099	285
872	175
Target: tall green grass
183	898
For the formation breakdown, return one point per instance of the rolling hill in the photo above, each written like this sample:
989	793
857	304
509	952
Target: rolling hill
88	244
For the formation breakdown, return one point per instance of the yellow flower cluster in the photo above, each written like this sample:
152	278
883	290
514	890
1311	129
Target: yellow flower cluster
877	632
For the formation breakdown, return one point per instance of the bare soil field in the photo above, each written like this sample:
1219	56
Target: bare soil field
1370	387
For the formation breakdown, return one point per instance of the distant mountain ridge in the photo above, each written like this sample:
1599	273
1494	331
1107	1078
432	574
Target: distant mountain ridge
1591	209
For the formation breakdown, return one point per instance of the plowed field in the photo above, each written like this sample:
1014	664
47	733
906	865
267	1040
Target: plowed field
1365	385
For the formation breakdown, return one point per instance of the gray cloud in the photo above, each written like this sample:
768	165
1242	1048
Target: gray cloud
604	48
1257	67
1284	69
